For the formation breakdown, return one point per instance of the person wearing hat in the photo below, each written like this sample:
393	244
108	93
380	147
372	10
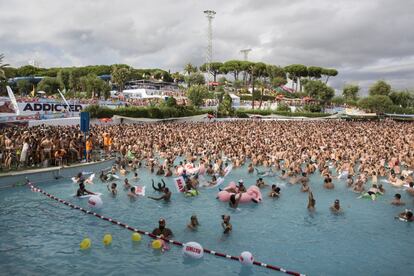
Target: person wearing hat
336	207
162	231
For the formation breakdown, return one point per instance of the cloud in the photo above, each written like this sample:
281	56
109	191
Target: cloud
364	40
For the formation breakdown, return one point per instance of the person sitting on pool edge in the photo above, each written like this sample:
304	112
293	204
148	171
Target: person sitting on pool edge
226	224
407	215
166	196
82	191
336	207
162	231
275	192
397	200
193	223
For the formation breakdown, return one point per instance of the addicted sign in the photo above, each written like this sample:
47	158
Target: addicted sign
51	107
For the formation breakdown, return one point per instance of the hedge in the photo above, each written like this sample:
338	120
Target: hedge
243	113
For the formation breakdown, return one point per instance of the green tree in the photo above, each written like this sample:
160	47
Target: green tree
319	90
225	106
64	76
2	67
232	66
314	72
177	77
295	73
278	81
171	102
214	69
329	73
49	85
196	94
120	75
380	88
24	87
195	79
375	103
189	68
403	98
94	86
350	92
338	100
27	71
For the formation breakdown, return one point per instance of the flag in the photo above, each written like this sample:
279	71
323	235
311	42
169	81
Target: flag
33	93
13	101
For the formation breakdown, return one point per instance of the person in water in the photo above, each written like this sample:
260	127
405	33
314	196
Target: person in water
397	200
166	196
275	191
112	189
226	224
82	191
407	215
311	202
132	194
160	187
127	186
260	183
193	223
336	207
234	200
162	231
410	189
241	187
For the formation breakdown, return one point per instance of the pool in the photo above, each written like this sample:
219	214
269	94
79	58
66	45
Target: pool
41	236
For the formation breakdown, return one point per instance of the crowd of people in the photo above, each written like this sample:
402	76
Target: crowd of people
359	153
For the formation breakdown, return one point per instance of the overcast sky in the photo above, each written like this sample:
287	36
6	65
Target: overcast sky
365	40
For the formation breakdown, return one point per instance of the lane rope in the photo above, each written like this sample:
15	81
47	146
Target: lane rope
33	188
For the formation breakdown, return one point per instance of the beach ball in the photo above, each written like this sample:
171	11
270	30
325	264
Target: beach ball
193	250
156	244
85	244
95	202
246	258
136	237
107	239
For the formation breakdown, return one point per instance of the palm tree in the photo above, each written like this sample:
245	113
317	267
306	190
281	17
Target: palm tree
189	68
2	66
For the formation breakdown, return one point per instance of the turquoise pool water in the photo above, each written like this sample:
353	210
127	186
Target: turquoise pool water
41	236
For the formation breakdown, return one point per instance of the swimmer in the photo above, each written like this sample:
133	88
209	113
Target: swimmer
241	187
193	223
131	193
328	183
213	181
162	231
226	224
372	192
275	191
336	207
166	196
160	188
79	178
311	202
410	189
284	175
82	191
250	168
234	202
260	183
397	200
407	215
350	181
135	176
127	186
112	189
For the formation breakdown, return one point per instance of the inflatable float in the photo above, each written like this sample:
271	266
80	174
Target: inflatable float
88	180
87	196
252	194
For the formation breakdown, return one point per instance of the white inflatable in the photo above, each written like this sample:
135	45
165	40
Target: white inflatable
246	258
88	196
140	190
227	170
193	250
88	180
343	175
95	202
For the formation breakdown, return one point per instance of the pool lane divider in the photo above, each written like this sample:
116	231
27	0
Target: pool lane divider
113	221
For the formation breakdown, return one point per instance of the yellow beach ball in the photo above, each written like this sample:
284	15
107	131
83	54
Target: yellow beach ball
156	244
85	244
107	239
136	237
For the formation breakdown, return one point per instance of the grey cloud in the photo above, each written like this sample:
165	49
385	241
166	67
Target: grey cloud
364	40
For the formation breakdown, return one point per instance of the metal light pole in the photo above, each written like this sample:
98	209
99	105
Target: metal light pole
209	53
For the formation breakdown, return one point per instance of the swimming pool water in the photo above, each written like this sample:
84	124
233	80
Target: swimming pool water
40	236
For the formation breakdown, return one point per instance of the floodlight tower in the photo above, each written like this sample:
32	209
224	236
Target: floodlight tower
209	54
245	52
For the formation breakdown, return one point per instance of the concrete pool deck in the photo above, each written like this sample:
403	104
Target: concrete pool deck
17	178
